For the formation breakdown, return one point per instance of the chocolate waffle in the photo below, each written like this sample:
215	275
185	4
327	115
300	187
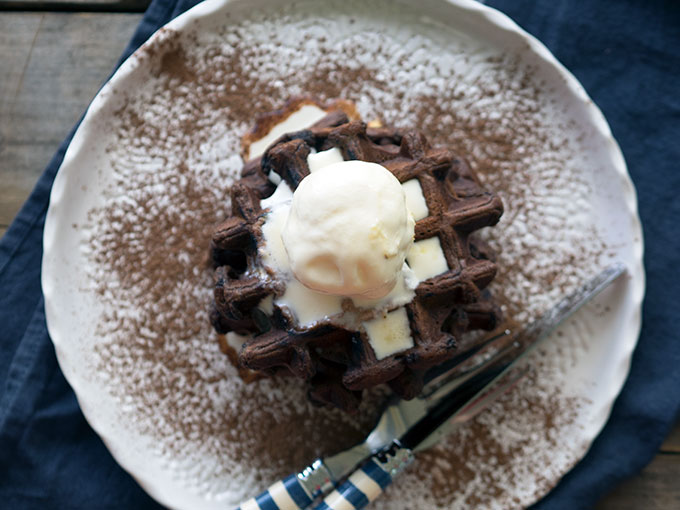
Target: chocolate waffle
337	360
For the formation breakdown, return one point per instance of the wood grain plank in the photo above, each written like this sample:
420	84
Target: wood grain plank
83	3
672	442
657	487
75	5
56	62
17	35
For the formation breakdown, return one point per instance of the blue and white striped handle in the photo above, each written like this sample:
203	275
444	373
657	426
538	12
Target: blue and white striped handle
296	492
369	481
286	494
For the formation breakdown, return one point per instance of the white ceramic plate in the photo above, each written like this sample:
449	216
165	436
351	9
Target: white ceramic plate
160	142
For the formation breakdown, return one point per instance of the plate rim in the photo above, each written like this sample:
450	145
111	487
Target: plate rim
486	14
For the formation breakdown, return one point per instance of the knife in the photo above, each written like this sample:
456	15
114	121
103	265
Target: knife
408	426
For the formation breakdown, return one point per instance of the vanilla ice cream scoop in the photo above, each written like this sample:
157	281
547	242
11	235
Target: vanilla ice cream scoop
349	230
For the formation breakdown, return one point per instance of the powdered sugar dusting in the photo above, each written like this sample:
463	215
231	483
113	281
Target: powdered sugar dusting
176	154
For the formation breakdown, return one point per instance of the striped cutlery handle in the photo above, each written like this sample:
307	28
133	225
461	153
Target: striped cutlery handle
295	492
370	480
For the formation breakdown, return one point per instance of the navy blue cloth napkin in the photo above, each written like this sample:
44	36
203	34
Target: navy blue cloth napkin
626	55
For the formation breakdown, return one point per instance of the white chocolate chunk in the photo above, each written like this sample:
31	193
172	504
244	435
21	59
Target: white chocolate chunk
267	305
274	178
236	341
390	333
415	199
426	258
324	158
303	118
309	306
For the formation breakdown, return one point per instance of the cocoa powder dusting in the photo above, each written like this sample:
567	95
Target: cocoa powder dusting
174	158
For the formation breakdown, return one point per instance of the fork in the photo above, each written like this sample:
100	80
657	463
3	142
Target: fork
454	394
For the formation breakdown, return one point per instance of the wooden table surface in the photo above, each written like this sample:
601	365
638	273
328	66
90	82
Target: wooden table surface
54	56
